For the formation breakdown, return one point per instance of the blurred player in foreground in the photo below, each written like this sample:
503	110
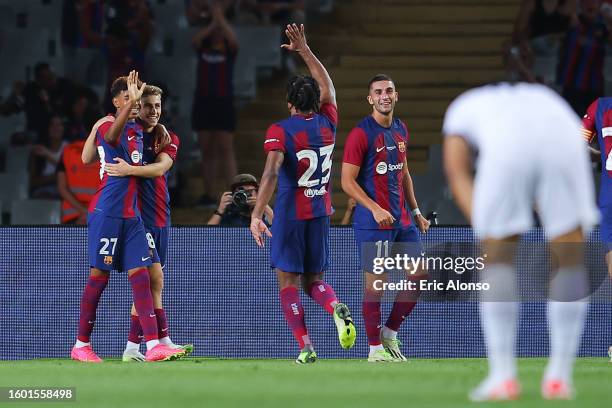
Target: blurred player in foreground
375	174
530	154
116	234
597	122
299	156
154	203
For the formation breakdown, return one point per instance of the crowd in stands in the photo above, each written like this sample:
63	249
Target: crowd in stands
563	43
104	39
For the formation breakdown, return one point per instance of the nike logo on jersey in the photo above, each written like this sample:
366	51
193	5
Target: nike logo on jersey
131	137
378	150
144	259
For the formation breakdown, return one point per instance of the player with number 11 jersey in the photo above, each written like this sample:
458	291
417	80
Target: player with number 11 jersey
299	155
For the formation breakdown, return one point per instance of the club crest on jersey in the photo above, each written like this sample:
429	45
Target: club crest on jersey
135	156
312	192
401	146
108	260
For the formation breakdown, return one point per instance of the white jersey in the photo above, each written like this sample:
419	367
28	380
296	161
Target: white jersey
530	155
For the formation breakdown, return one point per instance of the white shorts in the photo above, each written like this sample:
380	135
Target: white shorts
554	180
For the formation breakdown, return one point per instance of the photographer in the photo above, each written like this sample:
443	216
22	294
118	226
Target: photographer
235	206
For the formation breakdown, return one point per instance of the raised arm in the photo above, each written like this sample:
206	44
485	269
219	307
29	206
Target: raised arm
134	94
297	43
267	186
222	24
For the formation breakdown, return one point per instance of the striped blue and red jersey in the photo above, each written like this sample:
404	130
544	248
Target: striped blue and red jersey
380	154
116	196
308	145
598	122
215	69
582	58
153	195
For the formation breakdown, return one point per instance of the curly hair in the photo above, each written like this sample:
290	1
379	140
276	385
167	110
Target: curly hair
303	93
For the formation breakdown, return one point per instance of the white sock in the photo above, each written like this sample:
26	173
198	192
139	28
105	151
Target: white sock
498	314
374	349
566	320
387	333
166	340
80	344
152	343
132	346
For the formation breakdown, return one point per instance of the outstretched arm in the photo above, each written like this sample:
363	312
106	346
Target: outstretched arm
162	164
297	43
267	186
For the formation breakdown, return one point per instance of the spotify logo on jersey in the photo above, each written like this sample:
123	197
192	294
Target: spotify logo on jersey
381	168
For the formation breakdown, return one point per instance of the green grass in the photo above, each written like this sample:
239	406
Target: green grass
281	383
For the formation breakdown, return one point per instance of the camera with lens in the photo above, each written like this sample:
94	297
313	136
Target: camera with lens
240	198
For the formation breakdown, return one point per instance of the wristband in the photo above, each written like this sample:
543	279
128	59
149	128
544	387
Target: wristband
416	212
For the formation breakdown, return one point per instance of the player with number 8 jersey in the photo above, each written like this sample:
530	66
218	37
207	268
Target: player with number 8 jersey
299	156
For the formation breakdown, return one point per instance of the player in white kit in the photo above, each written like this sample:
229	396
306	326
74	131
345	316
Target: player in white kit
530	155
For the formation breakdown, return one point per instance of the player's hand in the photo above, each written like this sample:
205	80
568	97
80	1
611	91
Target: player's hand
297	38
422	223
120	169
161	138
258	229
351	204
226	199
134	92
383	217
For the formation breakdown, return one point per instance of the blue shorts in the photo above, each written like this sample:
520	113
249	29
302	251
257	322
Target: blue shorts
605	226
300	246
372	243
117	243
157	238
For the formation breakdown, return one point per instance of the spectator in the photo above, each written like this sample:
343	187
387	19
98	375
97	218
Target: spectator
82	116
44	159
213	113
46	96
235	206
15	101
537	30
129	32
82	39
76	183
198	12
580	71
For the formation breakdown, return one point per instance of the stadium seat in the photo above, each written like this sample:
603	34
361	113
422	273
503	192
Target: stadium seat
263	42
17	160
12	187
245	81
35	212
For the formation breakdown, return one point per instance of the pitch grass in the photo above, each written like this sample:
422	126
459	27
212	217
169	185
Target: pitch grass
198	382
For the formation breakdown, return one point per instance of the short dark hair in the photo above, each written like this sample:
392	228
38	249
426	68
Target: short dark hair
119	85
379	77
303	93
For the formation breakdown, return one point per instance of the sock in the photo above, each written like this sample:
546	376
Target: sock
387	333
405	301
374	349
132	346
80	344
135	335
167	341
498	314
162	323
89	303
294	314
141	291
371	319
324	295
152	343
566	317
